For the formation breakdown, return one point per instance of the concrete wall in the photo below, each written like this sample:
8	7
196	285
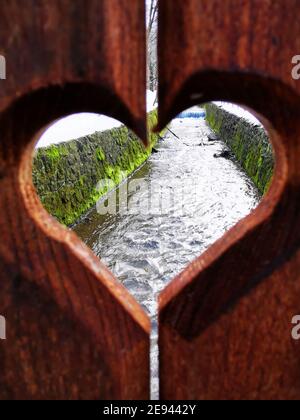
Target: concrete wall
66	175
249	143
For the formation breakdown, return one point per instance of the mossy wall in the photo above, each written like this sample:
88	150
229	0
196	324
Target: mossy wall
249	143
66	175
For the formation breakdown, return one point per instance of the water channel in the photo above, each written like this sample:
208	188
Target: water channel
180	202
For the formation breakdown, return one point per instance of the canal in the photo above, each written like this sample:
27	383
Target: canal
179	203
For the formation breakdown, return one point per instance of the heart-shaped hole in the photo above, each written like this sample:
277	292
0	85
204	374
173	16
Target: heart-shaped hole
207	171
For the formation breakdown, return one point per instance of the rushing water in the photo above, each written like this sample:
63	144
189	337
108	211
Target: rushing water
181	201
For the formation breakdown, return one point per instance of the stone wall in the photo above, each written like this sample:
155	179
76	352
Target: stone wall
66	175
249	143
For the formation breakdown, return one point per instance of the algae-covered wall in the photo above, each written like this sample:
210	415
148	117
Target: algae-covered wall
66	175
249	143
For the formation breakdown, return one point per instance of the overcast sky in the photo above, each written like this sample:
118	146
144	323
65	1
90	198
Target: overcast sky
80	125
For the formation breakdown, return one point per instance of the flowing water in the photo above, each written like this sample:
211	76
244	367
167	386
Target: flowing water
180	202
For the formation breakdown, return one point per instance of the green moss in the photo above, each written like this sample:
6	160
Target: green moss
52	153
71	177
55	152
82	180
100	154
249	144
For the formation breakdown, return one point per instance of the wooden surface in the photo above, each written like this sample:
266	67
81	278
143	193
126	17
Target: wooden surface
225	322
73	332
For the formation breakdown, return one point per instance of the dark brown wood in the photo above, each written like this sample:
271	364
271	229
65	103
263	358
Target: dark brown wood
73	332
225	322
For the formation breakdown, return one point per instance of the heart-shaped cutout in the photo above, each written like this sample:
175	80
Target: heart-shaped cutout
170	209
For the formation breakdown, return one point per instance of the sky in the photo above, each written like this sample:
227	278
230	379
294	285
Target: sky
80	125
240	112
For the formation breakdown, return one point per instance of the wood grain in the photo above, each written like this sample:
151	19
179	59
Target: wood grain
73	332
225	322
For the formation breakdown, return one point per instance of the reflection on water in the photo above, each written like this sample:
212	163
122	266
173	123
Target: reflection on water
145	250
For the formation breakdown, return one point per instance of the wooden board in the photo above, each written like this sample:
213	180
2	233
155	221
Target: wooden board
73	332
225	322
